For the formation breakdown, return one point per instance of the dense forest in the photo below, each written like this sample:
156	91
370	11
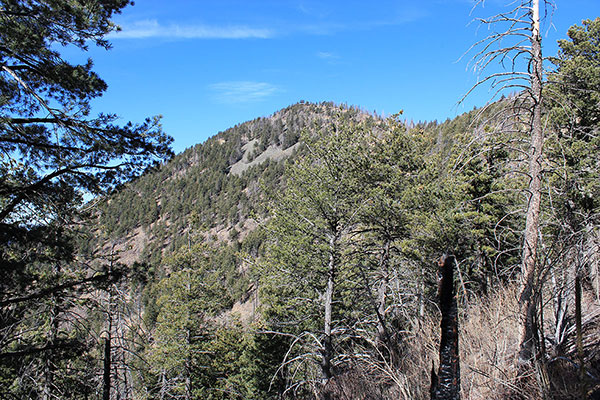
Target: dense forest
295	256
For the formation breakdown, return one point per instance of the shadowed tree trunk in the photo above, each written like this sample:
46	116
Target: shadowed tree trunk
107	364
446	385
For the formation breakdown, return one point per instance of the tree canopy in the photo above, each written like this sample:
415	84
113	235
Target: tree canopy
52	154
326	291
52	151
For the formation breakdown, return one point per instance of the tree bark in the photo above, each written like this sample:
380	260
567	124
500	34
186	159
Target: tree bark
447	386
48	387
163	384
107	365
327	350
106	376
48	367
527	303
382	333
579	332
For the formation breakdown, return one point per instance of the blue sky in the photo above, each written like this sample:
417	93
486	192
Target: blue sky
206	65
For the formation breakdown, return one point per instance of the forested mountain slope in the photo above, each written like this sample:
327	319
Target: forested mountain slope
213	188
294	255
297	256
304	242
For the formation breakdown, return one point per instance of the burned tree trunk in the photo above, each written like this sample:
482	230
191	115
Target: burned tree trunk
446	385
106	375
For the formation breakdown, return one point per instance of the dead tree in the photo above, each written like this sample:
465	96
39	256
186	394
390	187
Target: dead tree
530	237
446	385
106	370
517	46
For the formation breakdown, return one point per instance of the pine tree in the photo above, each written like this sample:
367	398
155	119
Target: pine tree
52	153
309	265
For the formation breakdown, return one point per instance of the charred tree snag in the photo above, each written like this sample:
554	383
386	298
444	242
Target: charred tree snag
106	375
447	386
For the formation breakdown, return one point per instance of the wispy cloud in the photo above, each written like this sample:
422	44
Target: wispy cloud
242	91
153	29
325	55
316	20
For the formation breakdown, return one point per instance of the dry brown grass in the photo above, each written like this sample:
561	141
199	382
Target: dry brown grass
489	339
488	342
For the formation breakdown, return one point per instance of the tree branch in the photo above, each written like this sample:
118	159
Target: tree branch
68	285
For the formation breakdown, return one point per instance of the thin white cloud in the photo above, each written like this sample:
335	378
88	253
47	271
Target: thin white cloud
242	91
153	29
320	21
325	55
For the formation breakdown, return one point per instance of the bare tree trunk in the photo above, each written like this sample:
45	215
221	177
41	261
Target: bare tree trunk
527	303
107	365
48	387
124	387
188	385
384	337
327	350
561	307
48	356
382	332
447	385
593	257
422	295
578	328
108	362
163	384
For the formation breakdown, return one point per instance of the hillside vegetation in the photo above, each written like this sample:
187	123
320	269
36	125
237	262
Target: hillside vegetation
213	187
231	271
294	256
228	254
